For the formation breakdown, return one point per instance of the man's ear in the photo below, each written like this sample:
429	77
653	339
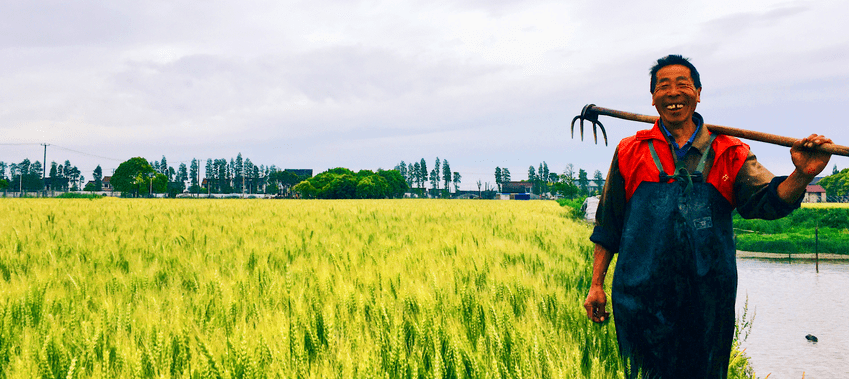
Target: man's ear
698	95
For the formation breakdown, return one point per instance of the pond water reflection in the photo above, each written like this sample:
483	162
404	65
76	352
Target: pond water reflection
792	300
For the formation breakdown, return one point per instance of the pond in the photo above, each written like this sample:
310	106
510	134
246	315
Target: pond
791	300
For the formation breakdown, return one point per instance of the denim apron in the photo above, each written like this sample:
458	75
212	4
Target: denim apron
675	281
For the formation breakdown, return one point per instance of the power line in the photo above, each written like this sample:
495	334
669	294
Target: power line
88	154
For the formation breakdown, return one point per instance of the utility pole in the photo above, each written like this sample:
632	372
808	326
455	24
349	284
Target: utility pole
44	169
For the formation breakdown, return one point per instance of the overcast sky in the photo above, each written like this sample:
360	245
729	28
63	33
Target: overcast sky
366	84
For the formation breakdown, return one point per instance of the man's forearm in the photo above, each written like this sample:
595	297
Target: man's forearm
601	262
792	188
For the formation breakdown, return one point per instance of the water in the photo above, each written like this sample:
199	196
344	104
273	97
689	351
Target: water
791	301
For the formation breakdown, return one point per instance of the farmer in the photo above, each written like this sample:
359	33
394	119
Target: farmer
666	210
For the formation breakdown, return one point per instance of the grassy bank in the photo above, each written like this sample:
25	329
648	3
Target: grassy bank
797	233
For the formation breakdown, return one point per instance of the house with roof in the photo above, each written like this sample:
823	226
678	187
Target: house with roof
814	193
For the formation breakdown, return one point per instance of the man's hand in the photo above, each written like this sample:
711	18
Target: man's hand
597	299
595	305
808	161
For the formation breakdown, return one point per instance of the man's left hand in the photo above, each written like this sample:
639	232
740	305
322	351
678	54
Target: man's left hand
809	161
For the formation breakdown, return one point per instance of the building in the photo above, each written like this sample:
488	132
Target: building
814	193
517	187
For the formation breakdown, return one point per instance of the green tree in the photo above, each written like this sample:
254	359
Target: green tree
423	173
836	184
598	179
130	176
397	185
456	181
532	178
410	174
498	177
583	181
342	183
371	187
446	175
283	180
97	176
417	170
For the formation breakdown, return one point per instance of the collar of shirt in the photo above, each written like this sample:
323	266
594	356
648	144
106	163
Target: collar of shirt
681	151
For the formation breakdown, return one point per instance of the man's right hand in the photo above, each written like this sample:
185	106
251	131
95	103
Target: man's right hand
595	305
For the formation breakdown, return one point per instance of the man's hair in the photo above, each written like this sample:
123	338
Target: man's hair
670	60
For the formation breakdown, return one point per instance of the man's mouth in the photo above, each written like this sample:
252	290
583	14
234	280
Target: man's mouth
673	107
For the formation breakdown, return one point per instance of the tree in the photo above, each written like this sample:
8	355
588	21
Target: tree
436	174
434	179
163	168
598	178
239	173
569	174
505	175
565	187
74	177
342	183
26	176
833	171
97	175
456	181
397	185
498	178
446	174
284	180
194	173
423	173
836	184
183	174
130	176
583	181
416	173
402	168
532	178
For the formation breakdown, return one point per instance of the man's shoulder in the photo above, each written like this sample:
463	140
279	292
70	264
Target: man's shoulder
725	143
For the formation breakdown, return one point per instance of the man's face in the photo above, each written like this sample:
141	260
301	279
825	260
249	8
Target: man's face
675	96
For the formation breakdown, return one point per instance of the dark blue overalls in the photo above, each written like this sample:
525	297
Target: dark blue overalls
675	281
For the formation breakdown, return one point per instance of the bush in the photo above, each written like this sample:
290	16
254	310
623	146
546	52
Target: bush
71	195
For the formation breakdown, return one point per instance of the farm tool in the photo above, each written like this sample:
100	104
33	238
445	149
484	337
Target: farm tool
591	112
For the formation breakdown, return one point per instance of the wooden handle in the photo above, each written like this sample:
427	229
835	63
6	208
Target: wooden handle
739	133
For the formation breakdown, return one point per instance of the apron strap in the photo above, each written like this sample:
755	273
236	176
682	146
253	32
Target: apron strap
681	172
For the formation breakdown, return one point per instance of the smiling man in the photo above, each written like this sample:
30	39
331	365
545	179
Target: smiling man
666	210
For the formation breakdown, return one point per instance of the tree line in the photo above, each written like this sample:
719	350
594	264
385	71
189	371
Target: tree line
139	177
28	176
836	185
441	178
543	181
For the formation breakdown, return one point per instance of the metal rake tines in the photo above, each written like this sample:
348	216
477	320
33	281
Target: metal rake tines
592	116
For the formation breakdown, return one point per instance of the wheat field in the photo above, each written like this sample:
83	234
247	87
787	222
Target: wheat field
119	288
